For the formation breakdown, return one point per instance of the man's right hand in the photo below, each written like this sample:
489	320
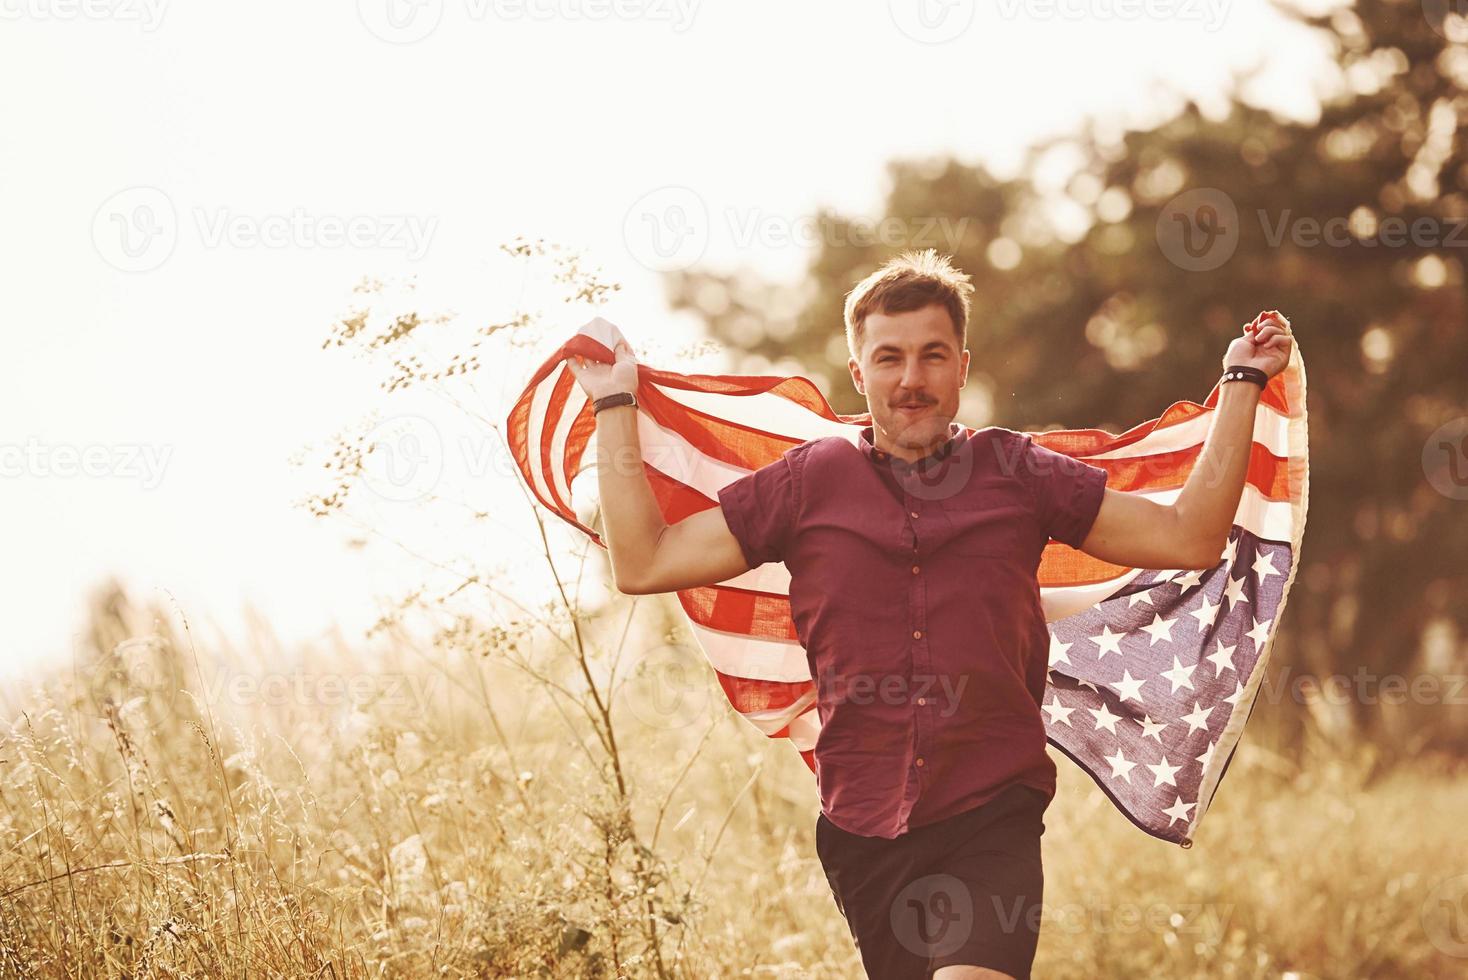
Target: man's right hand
598	379
647	555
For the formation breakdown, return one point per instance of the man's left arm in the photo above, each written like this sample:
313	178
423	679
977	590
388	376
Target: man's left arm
1191	532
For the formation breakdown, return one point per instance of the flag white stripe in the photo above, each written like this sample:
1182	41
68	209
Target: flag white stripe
753	657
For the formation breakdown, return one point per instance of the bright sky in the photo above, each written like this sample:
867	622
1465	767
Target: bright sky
176	182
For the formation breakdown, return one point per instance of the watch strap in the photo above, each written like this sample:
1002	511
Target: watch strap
613	400
1241	372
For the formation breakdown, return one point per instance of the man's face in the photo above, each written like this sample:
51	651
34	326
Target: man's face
910	371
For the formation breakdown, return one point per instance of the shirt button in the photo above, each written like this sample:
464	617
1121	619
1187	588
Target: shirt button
917	634
919	762
912	513
922	700
915	569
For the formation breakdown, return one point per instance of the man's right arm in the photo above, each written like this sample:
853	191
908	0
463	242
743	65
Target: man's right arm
647	554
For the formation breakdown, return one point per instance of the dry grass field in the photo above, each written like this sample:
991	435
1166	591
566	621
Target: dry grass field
503	803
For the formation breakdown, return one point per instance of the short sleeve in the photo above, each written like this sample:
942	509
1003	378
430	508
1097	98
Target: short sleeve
760	508
1067	492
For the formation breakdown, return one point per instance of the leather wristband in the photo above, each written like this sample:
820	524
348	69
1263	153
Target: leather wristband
1240	372
613	400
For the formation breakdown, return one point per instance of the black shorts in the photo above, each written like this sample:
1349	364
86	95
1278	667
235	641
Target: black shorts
966	889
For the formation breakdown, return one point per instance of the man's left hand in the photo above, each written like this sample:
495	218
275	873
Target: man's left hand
1266	344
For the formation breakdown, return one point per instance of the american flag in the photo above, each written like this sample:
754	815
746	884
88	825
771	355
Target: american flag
1153	672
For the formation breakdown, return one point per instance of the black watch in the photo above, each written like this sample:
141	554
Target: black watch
613	400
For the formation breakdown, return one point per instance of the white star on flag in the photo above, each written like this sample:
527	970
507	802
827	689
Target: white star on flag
1207	613
1120	767
1179	676
1207	756
1108	641
1162	772
1223	657
1189	579
1161	629
1198	717
1179	810
1105	719
1234	592
1129	689
1059	713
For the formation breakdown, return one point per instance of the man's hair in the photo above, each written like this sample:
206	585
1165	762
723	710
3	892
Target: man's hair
909	282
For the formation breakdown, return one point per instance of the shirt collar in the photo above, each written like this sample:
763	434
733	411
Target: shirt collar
957	433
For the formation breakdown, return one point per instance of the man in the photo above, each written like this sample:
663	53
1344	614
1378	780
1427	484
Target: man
913	556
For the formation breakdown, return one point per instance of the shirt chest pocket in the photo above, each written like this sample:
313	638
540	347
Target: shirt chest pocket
983	527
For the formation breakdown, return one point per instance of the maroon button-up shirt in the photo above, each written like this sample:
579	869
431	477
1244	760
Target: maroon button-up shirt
913	591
